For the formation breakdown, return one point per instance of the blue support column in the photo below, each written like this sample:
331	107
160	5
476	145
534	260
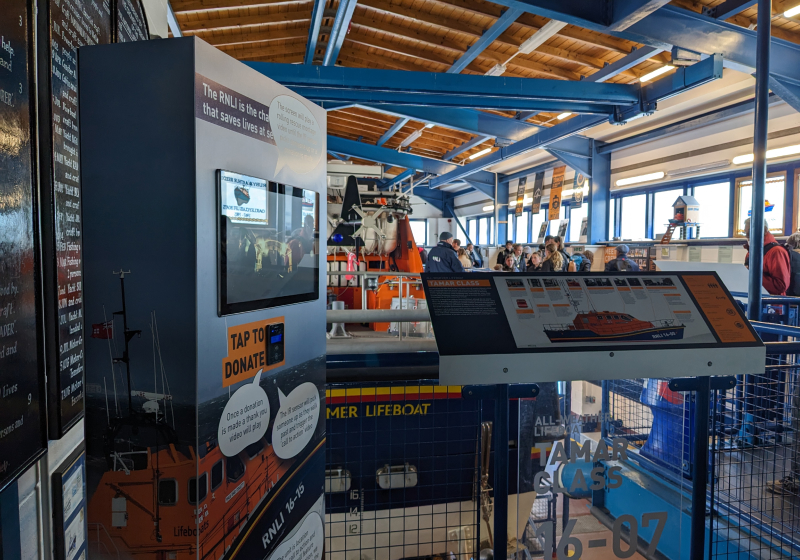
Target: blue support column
317	14
341	23
488	37
501	212
599	196
394	129
759	161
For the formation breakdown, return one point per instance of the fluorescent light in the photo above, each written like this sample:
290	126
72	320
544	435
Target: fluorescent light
540	37
656	73
497	70
771	154
698	168
481	153
563	116
488	208
791	12
525	200
431	125
641	179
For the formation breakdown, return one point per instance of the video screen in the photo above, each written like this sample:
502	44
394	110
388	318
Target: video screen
268	243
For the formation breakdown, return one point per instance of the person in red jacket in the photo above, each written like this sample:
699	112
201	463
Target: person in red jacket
777	268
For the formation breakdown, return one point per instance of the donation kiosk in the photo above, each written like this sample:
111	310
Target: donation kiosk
203	186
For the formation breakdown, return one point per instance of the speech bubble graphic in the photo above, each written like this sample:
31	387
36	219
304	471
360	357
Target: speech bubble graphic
305	544
245	418
297	134
296	420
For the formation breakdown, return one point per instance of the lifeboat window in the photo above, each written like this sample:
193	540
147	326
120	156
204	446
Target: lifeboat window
235	468
600	317
217	472
586	320
196	488
168	492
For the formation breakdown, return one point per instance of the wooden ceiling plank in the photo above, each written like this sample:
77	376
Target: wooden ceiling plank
242	21
257	36
417	15
182	6
396	48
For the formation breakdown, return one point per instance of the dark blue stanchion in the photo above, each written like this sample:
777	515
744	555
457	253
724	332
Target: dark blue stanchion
701	387
501	395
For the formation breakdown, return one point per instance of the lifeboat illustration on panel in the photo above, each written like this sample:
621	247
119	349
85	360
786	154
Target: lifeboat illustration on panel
611	326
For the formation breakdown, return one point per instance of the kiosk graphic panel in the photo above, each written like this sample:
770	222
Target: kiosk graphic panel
589	317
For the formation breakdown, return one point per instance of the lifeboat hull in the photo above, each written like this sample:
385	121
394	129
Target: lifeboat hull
647	335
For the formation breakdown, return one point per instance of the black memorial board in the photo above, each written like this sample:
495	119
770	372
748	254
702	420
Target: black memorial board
21	418
129	23
65	26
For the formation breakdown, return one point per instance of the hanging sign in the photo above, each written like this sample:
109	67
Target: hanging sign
555	192
538	186
577	190
520	196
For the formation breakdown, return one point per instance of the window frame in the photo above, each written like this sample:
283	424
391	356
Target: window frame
425	222
177	492
770	174
189	490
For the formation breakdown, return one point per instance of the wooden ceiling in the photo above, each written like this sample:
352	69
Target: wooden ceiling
428	36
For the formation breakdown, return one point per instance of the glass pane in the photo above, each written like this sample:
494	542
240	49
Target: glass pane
472	229
419	228
662	209
774	193
521	228
612	218
460	235
552	228
633	214
715	205
490	237
483	231
576	216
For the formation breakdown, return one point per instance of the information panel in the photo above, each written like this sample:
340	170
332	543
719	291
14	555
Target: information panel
72	24
69	509
131	24
587	326
21	427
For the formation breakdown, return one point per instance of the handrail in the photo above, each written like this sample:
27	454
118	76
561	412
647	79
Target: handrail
773	328
782	348
377	316
372	273
771	299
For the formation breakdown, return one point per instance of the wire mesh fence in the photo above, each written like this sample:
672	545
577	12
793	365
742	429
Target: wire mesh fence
403	477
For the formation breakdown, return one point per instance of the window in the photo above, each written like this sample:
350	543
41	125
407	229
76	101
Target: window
632	222
168	492
662	209
715	204
472	229
235	468
217	474
194	487
460	235
536	225
612	218
775	195
486	230
576	216
554	225
521	227
419	229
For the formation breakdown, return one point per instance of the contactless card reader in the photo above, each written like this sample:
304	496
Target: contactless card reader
275	344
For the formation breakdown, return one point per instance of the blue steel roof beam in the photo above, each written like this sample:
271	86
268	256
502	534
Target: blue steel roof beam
468	145
418	85
339	157
729	8
625	13
341	23
530	171
486	189
488	37
317	13
538	140
692	123
394	129
788	91
399	178
581	164
361	96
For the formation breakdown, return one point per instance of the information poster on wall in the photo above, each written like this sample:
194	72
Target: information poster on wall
538	187
594	313
72	24
520	196
556	187
130	24
21	426
69	504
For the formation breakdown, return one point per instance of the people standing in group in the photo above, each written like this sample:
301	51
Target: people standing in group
443	258
518	258
554	260
622	263
526	258
777	263
586	264
477	260
464	259
507	266
567	260
508	250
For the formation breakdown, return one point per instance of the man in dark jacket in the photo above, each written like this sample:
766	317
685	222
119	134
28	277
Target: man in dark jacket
622	263
443	258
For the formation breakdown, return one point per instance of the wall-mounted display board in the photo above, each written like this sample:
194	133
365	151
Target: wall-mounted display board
585	326
21	414
129	23
69	508
64	26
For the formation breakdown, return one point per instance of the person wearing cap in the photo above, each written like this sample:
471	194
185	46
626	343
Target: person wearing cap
622	263
443	258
